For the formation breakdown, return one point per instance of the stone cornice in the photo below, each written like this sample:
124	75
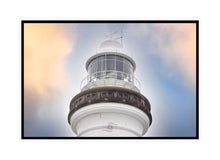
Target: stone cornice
110	94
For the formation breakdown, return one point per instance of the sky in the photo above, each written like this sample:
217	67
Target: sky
54	65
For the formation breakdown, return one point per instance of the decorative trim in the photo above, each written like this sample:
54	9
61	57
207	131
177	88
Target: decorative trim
110	94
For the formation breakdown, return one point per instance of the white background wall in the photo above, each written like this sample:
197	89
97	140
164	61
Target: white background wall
12	147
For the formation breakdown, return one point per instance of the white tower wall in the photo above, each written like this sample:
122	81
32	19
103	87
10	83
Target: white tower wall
109	120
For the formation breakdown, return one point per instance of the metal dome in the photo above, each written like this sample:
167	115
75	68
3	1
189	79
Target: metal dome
110	43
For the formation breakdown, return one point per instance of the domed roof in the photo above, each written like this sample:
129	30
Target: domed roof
110	43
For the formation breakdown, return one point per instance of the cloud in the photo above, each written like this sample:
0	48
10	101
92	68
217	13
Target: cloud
178	43
175	45
45	105
45	48
46	115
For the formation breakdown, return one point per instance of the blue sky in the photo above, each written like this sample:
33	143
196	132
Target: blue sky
164	54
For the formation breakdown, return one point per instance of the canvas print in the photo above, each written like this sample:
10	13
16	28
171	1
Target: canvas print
110	79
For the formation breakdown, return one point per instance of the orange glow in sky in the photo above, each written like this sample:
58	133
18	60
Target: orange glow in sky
45	47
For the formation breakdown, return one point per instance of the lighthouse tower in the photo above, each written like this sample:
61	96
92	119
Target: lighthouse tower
110	103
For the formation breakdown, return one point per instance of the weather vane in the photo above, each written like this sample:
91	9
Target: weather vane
114	36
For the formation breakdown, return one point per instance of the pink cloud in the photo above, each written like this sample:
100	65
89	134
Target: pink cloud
175	45
178	50
45	48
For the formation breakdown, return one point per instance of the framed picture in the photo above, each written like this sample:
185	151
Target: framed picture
126	79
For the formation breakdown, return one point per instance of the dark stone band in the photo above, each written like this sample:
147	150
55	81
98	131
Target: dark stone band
110	94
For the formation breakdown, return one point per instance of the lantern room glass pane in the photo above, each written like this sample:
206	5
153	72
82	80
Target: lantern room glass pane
110	66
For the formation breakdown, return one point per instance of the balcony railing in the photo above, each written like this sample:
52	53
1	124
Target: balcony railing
115	75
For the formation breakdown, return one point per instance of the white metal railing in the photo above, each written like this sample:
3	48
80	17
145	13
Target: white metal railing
112	75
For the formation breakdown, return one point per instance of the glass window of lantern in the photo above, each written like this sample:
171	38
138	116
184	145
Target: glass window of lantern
119	58
108	57
119	66
126	67
110	64
102	61
99	65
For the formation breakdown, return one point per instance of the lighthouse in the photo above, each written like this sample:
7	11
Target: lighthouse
110	103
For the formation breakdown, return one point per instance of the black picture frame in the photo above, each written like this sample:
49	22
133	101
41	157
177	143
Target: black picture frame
110	21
